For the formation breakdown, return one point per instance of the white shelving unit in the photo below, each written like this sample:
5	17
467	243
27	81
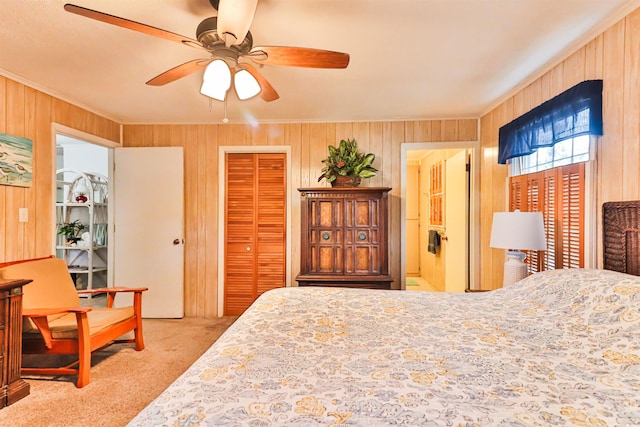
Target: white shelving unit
86	259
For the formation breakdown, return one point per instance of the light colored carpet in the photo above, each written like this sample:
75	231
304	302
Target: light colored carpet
123	381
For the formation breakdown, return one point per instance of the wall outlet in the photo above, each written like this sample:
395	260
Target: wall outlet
23	214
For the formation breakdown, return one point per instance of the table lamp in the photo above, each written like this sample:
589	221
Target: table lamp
517	231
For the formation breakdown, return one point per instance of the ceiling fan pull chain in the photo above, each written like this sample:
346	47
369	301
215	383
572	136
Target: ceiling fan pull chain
225	119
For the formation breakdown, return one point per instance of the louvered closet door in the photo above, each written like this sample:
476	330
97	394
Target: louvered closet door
255	228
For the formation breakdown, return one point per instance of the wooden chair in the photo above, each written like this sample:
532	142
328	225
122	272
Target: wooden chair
54	322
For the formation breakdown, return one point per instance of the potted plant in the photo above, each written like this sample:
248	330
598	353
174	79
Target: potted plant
71	230
345	166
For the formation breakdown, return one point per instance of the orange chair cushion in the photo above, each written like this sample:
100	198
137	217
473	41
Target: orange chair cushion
65	327
51	287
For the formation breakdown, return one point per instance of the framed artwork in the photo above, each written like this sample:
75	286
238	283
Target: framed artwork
16	160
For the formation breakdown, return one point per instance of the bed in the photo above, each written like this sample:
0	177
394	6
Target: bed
559	348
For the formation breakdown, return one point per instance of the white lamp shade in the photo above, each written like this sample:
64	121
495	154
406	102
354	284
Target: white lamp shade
217	80
234	19
245	84
518	230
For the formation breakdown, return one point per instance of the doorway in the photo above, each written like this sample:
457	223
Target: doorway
82	213
439	216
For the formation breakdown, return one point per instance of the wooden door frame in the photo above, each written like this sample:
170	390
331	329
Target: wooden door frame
474	204
222	167
59	129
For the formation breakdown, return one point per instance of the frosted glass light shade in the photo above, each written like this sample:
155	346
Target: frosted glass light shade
245	84
234	19
518	230
216	80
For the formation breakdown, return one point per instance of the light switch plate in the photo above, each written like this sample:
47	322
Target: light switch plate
23	214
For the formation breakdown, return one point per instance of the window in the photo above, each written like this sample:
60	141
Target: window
569	151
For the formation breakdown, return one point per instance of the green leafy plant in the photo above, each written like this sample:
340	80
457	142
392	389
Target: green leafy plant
71	229
346	160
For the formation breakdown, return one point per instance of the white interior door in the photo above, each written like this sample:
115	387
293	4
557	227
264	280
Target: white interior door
456	208
148	221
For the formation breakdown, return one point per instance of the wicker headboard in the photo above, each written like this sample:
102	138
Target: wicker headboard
621	236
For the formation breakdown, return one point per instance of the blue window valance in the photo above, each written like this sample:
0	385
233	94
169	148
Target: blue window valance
576	111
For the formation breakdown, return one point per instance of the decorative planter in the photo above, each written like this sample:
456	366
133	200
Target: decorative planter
346	181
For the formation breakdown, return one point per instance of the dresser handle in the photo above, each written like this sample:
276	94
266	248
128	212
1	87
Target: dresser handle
326	235
362	235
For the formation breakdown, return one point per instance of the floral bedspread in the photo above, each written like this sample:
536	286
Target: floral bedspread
560	348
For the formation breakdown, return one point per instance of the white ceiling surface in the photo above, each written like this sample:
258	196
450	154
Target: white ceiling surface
410	59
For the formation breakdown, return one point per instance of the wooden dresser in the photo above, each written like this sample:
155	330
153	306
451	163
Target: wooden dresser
344	237
12	388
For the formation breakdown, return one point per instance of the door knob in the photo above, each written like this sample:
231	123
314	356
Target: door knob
177	241
248	248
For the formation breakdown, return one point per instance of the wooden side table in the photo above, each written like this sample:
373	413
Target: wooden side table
12	387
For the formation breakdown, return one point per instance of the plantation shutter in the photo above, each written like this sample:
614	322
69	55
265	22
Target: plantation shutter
534	204
559	194
572	220
549	219
517	184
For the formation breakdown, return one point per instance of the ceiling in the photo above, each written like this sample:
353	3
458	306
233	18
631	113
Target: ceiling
410	59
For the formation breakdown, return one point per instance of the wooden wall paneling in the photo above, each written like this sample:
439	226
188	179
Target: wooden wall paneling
556	83
210	202
14	232
436	131
305	156
574	69
450	130
188	138
362	135
29	227
386	155
409	134
318	150
593	59
610	149
198	133
293	139
468	130
344	130
535	94
276	134
486	211
631	106
41	217
397	138
161	136
518	105
3	188
376	147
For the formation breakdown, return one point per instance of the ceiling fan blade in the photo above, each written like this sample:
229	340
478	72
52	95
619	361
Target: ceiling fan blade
268	93
131	25
299	57
234	19
179	72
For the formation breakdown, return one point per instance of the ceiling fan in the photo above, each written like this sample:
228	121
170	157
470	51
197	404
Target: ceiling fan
227	39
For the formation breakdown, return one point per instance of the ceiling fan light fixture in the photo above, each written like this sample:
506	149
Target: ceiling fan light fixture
217	80
246	85
234	19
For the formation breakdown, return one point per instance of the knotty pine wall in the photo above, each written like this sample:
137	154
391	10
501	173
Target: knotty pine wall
613	56
308	147
29	113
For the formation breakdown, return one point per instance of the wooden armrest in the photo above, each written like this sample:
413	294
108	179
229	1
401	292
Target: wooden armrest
39	317
106	290
43	312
